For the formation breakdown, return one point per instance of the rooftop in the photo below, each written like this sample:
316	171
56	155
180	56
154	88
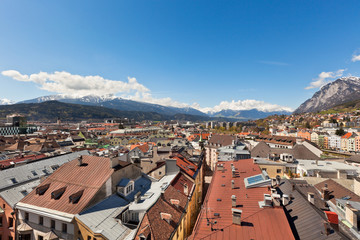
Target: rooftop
257	222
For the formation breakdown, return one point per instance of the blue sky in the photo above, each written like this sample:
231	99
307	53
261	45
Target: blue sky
185	51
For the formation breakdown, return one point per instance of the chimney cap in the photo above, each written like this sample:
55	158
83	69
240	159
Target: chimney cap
233	197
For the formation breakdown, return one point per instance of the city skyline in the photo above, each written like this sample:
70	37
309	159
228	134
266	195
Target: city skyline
180	53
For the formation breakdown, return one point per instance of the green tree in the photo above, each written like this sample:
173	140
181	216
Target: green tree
340	132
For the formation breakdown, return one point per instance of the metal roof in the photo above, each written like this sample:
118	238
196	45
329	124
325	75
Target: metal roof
305	221
34	170
15	194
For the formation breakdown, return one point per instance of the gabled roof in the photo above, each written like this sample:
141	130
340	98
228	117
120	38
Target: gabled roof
337	191
89	178
305	221
185	165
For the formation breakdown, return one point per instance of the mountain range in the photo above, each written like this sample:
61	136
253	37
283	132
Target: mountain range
121	104
50	111
340	91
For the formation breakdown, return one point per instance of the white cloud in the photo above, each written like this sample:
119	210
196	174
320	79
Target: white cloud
5	101
355	58
77	85
71	85
247	104
324	78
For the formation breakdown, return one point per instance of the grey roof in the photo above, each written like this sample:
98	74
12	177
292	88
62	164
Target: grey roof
15	194
299	151
102	218
305	221
34	170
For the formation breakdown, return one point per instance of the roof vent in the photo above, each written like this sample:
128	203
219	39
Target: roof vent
58	193
75	197
42	189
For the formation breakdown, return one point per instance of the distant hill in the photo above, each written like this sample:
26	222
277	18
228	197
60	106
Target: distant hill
118	104
246	114
345	107
49	111
341	91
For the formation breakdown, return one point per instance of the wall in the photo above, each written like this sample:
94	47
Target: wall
83	232
5	232
272	170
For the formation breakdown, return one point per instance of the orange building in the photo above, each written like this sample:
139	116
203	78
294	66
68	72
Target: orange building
304	134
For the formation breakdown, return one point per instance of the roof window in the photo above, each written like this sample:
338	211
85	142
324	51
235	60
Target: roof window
58	193
42	189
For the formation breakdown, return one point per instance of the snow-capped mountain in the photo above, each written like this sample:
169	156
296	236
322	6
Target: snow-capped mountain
118	103
5	101
340	91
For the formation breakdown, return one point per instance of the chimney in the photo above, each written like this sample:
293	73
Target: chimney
311	198
137	197
220	167
165	216
278	180
233	201
267	200
276	200
273	191
285	199
273	182
80	160
232	184
236	215
325	194
175	202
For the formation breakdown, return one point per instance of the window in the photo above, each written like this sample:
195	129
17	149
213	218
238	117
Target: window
11	238
64	228
278	170
11	223
13	180
26	216
54	167
34	173
89	237
24	193
41	220
1	222
53	224
45	171
40	237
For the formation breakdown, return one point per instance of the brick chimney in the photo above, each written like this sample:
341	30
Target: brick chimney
311	198
233	201
325	193
236	216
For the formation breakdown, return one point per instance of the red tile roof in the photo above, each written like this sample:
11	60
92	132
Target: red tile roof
258	223
185	165
180	181
89	177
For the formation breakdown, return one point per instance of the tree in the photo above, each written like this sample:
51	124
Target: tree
121	126
340	132
307	125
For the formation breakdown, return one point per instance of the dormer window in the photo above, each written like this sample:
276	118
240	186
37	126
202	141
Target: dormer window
42	189
58	193
125	186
